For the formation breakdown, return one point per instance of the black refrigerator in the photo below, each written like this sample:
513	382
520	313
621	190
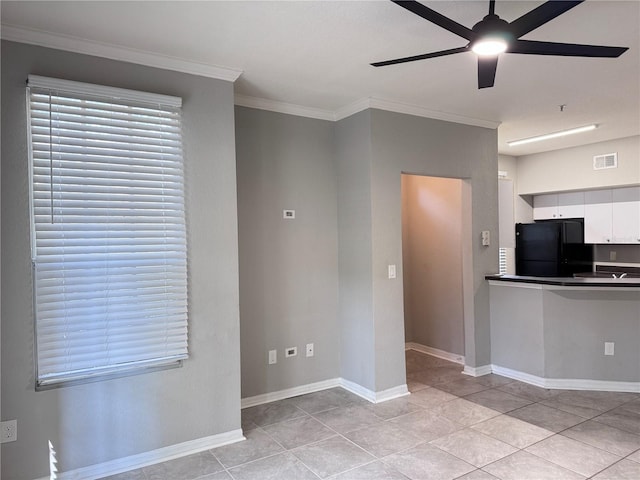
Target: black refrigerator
552	249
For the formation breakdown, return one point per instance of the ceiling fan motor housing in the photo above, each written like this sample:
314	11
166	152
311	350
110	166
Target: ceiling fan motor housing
492	27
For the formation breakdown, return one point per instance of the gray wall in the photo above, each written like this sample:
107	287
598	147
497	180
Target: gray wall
355	236
559	332
432	262
517	329
572	168
283	162
373	149
415	145
98	422
577	323
1	417
288	268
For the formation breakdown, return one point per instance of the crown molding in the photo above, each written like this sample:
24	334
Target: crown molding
353	108
415	110
418	111
359	106
113	52
283	107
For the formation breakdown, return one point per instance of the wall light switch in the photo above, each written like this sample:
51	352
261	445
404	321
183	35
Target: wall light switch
486	238
392	271
273	357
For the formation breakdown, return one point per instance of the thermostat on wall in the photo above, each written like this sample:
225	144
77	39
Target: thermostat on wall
288	214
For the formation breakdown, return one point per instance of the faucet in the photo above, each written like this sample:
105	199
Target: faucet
621	275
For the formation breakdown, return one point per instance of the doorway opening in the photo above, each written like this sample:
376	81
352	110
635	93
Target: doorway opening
436	259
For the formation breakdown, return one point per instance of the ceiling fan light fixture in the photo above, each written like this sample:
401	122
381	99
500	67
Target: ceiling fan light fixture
492	35
549	136
489	46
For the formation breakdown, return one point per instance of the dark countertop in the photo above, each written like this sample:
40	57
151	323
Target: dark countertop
569	281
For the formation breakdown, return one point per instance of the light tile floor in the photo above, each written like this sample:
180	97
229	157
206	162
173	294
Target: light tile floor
451	427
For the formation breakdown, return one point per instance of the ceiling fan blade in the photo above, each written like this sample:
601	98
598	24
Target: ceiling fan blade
533	47
437	18
540	15
424	56
487	71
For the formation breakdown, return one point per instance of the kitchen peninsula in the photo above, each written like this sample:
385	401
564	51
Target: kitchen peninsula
552	331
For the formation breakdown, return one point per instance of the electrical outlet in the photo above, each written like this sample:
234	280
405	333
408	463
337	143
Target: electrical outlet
273	357
9	431
609	348
291	352
309	349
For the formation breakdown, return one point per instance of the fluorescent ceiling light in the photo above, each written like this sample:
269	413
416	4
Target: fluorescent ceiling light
549	136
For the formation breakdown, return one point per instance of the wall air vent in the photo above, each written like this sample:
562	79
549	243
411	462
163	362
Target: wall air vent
608	160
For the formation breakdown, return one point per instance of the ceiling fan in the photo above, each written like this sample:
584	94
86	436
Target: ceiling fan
493	35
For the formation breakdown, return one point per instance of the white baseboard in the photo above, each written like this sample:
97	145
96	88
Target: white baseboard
370	395
477	371
145	459
391	393
289	392
358	390
374	397
434	352
567	383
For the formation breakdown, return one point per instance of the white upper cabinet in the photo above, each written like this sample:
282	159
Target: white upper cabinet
626	215
598	218
611	215
558	206
545	206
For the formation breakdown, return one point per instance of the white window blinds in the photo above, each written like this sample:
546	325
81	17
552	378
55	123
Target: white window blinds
502	261
108	229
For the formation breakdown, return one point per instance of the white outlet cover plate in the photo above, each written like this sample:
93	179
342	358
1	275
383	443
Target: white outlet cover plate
289	214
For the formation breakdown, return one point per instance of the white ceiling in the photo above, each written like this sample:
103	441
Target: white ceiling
317	54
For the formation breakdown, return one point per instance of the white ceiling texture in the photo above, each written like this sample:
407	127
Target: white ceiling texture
313	57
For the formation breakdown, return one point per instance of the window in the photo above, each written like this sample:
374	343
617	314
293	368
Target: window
502	261
506	239
108	230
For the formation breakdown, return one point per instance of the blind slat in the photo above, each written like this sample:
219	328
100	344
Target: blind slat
109	235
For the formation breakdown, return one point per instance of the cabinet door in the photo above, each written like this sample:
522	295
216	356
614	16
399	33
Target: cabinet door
545	206
597	216
571	205
626	215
